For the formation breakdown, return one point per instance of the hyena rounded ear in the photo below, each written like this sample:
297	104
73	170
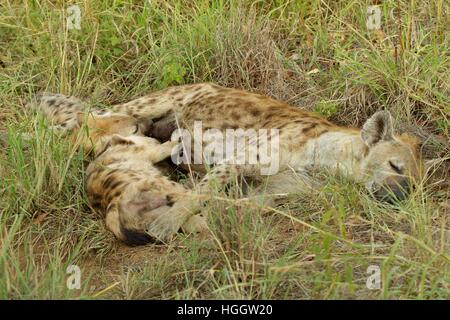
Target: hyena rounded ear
378	128
146	126
82	118
414	142
118	139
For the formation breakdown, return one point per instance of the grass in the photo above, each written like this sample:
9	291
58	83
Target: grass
317	55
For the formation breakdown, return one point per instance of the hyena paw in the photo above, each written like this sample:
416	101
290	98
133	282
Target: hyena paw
195	224
164	227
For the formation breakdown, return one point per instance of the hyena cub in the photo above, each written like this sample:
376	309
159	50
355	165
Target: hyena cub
124	183
123	179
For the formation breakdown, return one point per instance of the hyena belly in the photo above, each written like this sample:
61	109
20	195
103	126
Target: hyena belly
217	108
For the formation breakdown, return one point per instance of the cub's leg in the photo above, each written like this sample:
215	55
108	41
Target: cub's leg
163	151
136	210
195	224
185	207
165	226
126	229
112	221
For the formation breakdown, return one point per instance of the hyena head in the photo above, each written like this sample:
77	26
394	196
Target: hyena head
101	127
392	164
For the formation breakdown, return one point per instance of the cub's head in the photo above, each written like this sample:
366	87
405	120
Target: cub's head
98	128
138	141
392	164
138	145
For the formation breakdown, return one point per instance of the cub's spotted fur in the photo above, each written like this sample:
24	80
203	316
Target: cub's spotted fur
123	180
124	183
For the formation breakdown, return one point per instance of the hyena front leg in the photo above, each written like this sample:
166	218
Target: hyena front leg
163	151
274	188
165	226
195	224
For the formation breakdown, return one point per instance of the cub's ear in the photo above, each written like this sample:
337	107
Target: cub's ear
81	118
378	128
118	139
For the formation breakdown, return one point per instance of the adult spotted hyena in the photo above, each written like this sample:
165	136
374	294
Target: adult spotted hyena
384	162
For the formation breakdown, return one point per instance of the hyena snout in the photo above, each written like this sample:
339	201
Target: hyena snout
393	190
145	127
